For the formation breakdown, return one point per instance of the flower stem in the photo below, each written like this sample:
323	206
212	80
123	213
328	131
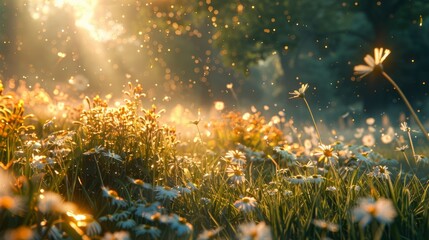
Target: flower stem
312	118
413	113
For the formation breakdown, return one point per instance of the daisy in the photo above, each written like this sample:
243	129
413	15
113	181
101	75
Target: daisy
209	234
380	55
253	231
401	148
422	158
297	179
236	174
50	202
246	204
93	229
382	210
404	127
166	193
140	183
235	157
324	225
380	172
331	189
300	93
326	154
180	225
285	154
13	204
127	224
315	178
147	230
122	235
114	196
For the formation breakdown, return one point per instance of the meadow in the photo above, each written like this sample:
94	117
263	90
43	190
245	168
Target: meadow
88	169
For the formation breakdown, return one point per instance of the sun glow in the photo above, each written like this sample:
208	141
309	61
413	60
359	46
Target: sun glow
87	15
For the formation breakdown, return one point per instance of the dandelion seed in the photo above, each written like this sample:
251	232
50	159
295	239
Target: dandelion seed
368	140
382	210
380	55
324	225
300	93
380	172
253	231
246	204
147	230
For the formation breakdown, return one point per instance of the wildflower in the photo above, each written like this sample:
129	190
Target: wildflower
404	127
140	183
166	193
119	216
401	148
324	225
331	189
285	154
93	229
297	179
127	224
306	166
113	195
287	193
300	93
112	155
209	234
246	204
326	153
180	225
22	232
147	230
50	202
422	158
380	172
122	235
253	231
236	157
147	208
13	204
382	210
315	178
205	200
356	188
380	55
236	174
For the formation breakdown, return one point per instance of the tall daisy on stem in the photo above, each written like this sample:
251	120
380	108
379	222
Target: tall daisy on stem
375	64
300	93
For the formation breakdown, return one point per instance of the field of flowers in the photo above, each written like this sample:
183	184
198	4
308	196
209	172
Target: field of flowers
72	170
